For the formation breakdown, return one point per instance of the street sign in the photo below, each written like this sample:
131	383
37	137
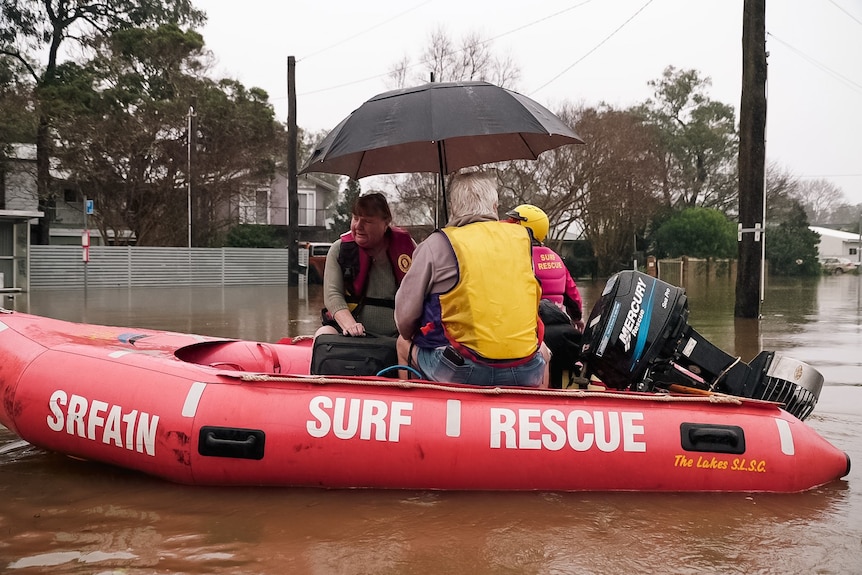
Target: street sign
89	207
85	245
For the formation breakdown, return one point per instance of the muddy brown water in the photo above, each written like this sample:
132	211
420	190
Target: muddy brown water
59	515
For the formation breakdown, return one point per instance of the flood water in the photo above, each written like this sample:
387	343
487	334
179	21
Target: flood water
59	515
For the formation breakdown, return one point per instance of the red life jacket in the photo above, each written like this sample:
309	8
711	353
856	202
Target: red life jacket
356	263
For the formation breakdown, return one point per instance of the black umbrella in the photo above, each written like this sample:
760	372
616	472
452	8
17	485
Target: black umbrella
439	127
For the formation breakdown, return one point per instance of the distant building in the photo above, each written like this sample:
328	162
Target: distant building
18	209
836	242
266	205
315	196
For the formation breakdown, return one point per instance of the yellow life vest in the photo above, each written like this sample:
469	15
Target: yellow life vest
493	308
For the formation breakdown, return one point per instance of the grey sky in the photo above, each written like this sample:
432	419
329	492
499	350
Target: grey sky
568	50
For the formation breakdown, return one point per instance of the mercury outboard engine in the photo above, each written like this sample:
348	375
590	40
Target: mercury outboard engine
638	338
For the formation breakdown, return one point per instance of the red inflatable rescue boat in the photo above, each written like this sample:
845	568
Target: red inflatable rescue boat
208	411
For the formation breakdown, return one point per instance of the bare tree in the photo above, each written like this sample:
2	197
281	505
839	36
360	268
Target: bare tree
620	178
820	198
469	59
781	202
447	61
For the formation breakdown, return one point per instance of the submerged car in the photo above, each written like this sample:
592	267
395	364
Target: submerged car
838	265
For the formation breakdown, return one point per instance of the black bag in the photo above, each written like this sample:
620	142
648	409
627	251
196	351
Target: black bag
562	339
551	314
345	355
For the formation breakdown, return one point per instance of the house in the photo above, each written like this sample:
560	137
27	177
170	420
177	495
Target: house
18	209
18	194
68	211
836	242
315	196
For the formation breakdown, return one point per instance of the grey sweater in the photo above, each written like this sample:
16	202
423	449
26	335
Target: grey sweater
377	320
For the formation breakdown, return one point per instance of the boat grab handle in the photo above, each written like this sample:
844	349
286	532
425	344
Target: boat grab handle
705	437
214	441
231	442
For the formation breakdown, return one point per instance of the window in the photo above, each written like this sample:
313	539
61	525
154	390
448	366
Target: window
306	208
70	196
253	207
853	251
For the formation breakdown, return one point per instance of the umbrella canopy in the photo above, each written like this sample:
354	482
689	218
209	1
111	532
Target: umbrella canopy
439	127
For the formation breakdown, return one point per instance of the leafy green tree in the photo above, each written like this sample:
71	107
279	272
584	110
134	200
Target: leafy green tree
32	34
791	247
696	232
124	124
699	141
17	116
344	206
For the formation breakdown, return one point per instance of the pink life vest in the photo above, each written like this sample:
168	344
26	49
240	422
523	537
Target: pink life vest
557	283
552	272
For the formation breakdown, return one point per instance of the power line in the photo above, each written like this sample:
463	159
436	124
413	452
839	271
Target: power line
345	84
851	16
817	64
480	43
340	42
534	22
831	176
596	47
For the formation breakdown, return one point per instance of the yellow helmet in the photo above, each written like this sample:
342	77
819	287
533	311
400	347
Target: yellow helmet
531	217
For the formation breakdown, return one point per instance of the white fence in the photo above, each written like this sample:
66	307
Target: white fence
61	267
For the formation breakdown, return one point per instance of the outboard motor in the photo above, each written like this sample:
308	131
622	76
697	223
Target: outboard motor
638	338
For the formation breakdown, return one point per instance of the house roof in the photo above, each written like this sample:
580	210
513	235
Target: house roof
829	232
17	215
23	152
27	153
313	180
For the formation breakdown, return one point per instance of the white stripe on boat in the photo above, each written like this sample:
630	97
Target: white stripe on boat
453	418
786	436
190	407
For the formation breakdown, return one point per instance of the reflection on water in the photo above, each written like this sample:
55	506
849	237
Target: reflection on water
80	517
68	516
263	313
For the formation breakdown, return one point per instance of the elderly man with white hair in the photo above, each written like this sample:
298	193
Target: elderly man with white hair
467	311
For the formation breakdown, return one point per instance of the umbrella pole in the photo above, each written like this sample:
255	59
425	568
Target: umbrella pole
441	157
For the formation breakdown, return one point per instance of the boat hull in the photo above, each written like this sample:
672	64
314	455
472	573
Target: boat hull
205	411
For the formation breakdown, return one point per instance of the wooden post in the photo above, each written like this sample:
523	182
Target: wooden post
752	158
292	192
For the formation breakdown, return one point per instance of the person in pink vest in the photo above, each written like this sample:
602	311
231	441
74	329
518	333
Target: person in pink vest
364	268
557	283
561	308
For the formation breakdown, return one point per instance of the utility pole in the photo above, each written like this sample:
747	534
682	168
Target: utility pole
190	140
292	192
752	159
